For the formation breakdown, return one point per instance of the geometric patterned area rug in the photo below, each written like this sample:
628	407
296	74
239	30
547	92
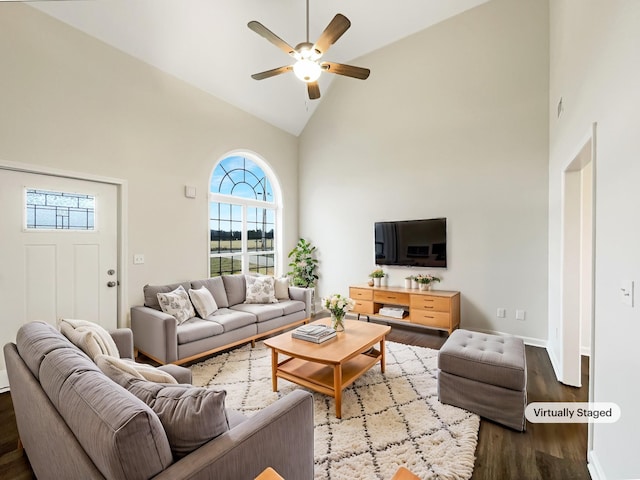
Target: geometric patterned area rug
388	420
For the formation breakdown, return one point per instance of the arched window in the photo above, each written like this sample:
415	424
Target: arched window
243	216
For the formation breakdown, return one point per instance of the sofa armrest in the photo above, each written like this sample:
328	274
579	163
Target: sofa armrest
279	436
155	334
303	294
123	338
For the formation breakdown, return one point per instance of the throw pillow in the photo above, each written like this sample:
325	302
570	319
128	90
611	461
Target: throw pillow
282	288
89	337
260	290
191	416
111	366
203	301
177	304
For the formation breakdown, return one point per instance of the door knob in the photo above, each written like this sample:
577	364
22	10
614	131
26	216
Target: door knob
111	272
111	284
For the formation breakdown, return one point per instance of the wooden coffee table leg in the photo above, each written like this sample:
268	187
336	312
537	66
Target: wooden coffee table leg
274	369
337	388
382	355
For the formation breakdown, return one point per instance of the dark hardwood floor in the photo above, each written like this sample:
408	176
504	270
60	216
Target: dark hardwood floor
543	452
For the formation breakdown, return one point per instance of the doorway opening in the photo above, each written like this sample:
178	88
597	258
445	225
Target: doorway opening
578	247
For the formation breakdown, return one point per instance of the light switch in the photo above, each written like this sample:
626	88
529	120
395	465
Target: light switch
626	292
501	313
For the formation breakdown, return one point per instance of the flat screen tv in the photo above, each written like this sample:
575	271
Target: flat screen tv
412	243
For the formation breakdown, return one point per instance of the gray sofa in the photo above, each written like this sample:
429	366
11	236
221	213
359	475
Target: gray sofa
159	336
74	422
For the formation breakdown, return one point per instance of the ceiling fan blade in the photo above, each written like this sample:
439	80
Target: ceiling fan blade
313	90
271	73
332	33
346	70
272	37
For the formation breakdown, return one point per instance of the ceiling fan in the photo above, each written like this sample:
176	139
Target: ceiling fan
308	66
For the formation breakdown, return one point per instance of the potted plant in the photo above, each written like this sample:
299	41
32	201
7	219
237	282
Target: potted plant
425	281
377	275
303	267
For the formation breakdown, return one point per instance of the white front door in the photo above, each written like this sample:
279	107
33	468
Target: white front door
58	255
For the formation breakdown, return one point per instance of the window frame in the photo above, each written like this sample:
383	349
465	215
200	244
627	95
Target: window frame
245	203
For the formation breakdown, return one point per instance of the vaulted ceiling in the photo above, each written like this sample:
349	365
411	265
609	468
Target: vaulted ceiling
207	43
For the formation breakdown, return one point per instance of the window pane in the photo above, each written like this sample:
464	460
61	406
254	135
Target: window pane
262	264
226	265
260	227
242	178
225	226
59	211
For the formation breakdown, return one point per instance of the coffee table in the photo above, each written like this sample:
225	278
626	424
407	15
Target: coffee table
331	366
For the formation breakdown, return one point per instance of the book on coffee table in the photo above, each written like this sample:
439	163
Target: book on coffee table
314	333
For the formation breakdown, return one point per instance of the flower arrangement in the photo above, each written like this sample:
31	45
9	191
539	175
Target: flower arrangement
377	273
338	306
426	279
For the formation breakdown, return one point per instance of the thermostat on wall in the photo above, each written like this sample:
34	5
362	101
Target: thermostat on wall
189	192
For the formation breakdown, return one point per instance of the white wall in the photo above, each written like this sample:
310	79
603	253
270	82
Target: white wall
451	123
595	68
71	102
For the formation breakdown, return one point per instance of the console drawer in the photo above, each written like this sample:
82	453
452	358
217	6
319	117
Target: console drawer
431	319
394	298
362	306
360	294
428	302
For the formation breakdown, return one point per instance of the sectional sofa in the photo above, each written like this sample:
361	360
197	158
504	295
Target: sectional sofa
168	338
75	422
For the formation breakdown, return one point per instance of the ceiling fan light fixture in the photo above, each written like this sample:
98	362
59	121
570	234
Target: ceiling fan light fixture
307	70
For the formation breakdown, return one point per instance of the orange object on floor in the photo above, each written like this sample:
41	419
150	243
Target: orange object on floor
269	474
404	474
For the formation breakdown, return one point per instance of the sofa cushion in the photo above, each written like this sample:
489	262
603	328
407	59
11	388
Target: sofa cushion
260	290
197	329
236	288
230	319
216	286
89	337
282	288
191	416
138	370
35	340
291	306
261	311
151	293
203	301
177	304
121	434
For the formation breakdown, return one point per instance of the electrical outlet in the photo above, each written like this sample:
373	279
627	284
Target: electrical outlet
520	314
138	259
501	313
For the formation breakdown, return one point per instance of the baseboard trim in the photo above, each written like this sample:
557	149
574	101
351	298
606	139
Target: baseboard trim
594	467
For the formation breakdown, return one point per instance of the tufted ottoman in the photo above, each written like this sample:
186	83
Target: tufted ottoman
485	374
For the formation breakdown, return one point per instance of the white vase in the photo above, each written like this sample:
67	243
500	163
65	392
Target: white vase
425	286
414	283
376	281
407	283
